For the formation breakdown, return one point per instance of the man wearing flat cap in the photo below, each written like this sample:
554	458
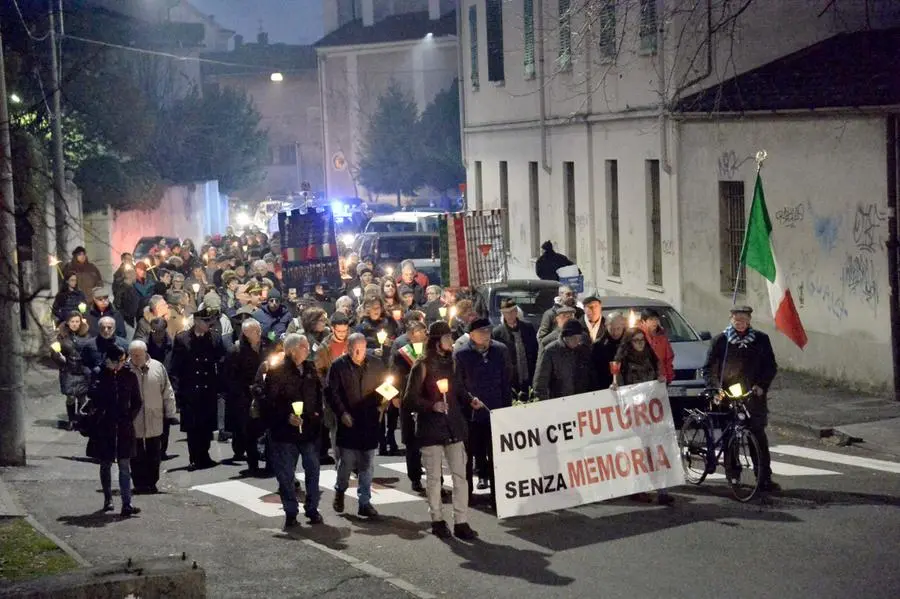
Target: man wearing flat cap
743	355
565	366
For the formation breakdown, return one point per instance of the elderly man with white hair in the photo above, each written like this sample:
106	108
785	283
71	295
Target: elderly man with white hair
93	353
241	366
157	405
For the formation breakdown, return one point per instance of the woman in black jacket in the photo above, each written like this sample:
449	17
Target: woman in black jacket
74	376
115	402
69	299
376	321
435	393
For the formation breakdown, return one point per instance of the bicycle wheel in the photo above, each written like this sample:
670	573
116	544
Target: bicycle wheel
742	465
694	445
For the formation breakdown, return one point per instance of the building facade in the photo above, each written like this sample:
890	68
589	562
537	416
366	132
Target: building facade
596	126
370	44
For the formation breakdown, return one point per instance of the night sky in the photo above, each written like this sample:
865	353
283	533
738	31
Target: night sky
287	21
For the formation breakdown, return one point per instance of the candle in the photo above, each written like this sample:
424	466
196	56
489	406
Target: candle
275	359
632	319
615	368
245	248
736	390
148	262
184	323
443	386
452	312
357	292
389	271
196	287
442	311
382	337
82	307
56	346
298	408
387	390
54	260
397	314
418	347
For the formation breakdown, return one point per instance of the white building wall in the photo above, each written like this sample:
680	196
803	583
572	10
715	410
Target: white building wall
825	187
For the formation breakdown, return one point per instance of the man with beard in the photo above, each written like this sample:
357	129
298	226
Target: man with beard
333	347
196	371
352	383
273	316
242	365
566	297
293	432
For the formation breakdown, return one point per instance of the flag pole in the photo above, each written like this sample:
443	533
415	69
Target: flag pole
760	158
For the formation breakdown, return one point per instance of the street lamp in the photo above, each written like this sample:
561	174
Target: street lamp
276	77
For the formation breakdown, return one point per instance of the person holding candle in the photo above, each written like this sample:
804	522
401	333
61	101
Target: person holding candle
292	412
402	362
333	347
374	323
68	298
604	349
437	396
353	381
100	307
74	377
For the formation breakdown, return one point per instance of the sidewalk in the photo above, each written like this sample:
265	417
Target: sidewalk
60	490
806	404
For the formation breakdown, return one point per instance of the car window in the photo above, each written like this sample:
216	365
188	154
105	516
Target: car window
533	302
401	248
387	226
677	328
432	272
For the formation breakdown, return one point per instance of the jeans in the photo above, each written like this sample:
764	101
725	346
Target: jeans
145	465
124	480
432	458
283	460
364	462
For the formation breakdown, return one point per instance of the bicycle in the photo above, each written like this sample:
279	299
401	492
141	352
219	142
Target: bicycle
721	436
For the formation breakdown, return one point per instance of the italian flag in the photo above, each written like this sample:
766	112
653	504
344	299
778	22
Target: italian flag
759	254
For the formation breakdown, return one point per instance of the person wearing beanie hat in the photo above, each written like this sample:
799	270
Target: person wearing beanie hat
115	402
88	274
565	366
273	316
435	393
550	261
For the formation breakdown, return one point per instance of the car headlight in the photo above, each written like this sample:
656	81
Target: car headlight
699	374
348	238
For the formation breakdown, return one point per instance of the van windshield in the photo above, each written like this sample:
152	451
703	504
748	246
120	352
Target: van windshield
386	226
414	247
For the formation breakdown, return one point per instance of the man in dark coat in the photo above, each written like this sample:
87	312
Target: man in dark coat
94	351
566	298
742	355
293	432
102	307
402	361
242	365
273	316
520	339
604	348
484	368
352	383
115	401
549	262
196	376
565	366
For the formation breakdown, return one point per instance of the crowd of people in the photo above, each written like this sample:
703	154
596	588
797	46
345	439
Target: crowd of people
210	339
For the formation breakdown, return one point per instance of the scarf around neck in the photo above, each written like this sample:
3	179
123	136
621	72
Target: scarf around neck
742	341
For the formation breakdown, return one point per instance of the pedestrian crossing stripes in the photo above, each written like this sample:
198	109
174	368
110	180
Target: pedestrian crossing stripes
265	501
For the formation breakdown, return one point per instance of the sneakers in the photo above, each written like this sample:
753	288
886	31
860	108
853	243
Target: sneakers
129	510
417	486
108	506
440	530
464	532
482	484
367	511
315	518
338	504
290	522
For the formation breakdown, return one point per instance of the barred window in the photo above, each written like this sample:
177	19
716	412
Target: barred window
473	45
565	35
608	44
528	38
648	26
494	26
732	224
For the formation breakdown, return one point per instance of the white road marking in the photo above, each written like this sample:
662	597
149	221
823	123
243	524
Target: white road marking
380	495
401	468
836	458
785	469
247	496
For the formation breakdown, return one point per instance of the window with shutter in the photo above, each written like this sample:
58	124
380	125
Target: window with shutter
608	45
648	26
473	45
494	26
528	38
565	35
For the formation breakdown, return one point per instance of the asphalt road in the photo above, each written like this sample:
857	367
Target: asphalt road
830	533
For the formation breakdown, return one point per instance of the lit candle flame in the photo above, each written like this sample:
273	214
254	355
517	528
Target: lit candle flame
357	291
245	248
632	319
82	307
418	347
276	359
443	385
196	287
382	337
389	380
54	261
736	390
56	346
452	312
442	311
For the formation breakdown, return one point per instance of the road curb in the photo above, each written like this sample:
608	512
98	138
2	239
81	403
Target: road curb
59	542
804	427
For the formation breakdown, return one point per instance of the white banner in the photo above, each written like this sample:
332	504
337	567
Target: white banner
570	451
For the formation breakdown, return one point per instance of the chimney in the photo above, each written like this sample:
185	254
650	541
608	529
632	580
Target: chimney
434	9
368	13
238	41
262	38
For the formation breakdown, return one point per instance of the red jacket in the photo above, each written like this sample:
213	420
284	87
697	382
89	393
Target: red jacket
664	353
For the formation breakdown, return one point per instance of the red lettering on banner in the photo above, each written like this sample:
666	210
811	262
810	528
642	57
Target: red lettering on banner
626	423
649	455
592	472
657	411
582	423
623	465
594	421
605	467
662	458
640	413
576	473
637	461
607	411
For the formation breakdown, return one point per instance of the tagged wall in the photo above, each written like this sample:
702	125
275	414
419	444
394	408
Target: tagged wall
825	188
183	212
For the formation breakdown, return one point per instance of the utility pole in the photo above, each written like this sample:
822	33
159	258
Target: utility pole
61	210
12	396
299	162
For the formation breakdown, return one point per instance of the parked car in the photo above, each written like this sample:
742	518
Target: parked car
690	347
390	249
145	244
533	296
403	222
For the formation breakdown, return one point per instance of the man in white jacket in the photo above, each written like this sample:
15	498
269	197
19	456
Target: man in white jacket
158	405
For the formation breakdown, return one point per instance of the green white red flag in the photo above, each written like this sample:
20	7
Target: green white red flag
758	253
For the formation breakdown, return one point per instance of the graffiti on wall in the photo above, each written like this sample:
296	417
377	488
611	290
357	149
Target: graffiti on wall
860	278
832	299
791	216
668	247
729	165
867	223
